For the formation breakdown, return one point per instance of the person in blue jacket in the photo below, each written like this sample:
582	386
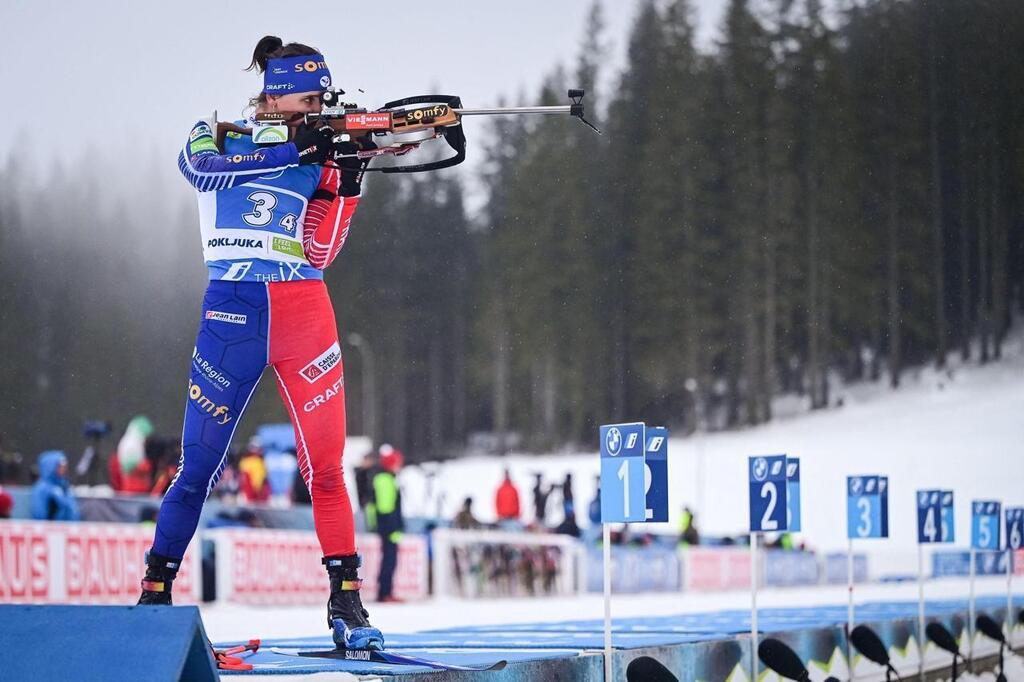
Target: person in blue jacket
52	499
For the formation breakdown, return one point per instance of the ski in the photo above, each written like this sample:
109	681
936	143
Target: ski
377	656
226	659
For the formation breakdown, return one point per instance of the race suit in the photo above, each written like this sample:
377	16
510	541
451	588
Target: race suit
269	227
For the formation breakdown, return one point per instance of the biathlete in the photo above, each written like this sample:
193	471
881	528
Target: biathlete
271	218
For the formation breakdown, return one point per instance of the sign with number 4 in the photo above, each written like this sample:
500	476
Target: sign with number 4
929	516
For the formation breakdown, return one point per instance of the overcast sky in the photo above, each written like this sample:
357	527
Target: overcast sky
131	77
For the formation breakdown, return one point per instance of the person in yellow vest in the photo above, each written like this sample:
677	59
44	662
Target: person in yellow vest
387	519
688	534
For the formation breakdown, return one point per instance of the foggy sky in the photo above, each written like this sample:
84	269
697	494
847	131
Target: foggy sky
126	80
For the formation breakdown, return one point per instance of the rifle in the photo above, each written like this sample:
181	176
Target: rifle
409	122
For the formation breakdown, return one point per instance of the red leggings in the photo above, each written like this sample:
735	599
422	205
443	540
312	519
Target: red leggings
245	327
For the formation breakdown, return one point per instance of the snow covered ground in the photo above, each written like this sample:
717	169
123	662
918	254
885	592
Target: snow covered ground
961	429
230	622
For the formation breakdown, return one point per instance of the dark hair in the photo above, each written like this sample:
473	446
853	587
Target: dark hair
272	47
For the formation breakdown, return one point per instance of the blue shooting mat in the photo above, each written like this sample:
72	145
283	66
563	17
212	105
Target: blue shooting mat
521	642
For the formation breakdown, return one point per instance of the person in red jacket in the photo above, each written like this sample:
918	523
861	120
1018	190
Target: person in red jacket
506	501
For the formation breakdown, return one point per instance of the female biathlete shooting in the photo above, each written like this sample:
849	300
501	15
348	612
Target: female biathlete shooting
271	218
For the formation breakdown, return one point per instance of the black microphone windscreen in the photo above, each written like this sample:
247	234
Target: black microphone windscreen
942	637
646	669
867	642
780	658
989	627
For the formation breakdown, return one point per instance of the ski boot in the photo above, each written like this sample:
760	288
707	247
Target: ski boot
345	613
160	574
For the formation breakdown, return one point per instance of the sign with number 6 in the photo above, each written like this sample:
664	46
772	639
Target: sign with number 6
1015	527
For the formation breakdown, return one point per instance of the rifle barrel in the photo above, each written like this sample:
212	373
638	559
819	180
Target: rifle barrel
516	110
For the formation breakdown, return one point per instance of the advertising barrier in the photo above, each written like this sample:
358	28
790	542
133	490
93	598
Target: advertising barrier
782	568
834	568
956	563
259	566
82	563
715	568
635	569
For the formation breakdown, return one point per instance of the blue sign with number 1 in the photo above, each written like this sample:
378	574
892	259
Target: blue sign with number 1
623	494
768	499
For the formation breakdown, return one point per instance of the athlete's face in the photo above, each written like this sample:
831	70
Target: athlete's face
300	102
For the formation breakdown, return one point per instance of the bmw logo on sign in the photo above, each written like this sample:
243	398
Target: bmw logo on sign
760	469
613	440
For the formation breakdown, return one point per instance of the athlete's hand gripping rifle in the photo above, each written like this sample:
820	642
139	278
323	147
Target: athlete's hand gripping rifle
409	122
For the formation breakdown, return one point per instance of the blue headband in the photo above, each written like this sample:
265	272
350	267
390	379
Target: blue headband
304	73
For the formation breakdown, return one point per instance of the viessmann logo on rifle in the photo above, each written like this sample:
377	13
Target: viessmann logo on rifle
368	121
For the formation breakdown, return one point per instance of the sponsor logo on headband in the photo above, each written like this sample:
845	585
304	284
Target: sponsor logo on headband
310	66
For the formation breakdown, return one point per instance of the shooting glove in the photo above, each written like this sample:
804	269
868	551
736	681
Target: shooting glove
314	144
351	166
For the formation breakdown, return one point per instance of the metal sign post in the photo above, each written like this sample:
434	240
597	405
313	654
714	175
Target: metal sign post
623	500
930	524
769	511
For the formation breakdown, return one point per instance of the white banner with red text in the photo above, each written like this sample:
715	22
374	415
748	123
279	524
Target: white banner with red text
261	566
55	562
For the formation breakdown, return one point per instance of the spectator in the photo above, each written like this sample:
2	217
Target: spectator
227	487
506	501
387	504
364	473
281	470
6	504
12	466
300	492
540	500
688	534
465	520
51	495
129	468
568	526
594	510
162	462
252	471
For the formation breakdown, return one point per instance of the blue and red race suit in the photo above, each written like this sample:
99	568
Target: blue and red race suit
269	228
